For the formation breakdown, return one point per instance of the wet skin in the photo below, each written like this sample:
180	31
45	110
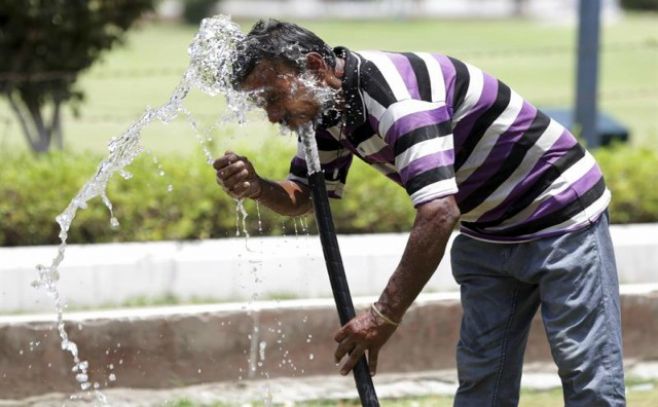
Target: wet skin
287	101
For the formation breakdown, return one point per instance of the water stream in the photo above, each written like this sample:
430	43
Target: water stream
211	55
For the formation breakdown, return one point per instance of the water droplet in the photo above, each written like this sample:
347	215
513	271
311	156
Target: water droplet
112	377
311	356
114	222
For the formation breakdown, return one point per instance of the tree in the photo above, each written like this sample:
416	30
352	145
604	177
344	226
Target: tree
45	45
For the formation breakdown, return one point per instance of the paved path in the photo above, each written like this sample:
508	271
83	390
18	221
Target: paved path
289	391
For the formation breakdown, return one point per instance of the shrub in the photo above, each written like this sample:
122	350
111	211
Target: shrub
648	5
631	174
34	191
196	10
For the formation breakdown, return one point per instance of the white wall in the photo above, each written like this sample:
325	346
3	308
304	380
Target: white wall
226	270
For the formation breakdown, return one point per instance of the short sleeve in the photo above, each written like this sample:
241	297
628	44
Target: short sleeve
421	136
335	161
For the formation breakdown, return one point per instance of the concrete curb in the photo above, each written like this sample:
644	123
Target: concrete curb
226	270
177	346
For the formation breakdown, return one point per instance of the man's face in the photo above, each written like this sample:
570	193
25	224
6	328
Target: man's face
277	89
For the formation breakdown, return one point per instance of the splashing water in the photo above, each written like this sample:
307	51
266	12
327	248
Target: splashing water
211	55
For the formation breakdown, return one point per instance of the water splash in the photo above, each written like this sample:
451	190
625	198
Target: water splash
212	53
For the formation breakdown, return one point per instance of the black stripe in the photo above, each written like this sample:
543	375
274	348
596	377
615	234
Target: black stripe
513	160
361	134
298	170
325	144
428	177
376	86
483	123
462	80
420	134
422	75
572	156
559	216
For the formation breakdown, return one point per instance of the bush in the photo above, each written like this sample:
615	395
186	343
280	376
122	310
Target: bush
631	175
34	190
646	5
196	10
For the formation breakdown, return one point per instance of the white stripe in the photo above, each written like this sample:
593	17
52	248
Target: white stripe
583	217
398	110
534	154
475	86
568	177
435	190
373	107
423	149
389	72
293	177
490	137
371	145
326	157
437	81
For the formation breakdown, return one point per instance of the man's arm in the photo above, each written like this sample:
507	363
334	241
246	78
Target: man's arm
429	235
239	179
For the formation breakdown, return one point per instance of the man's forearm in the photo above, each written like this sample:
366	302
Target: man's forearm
425	247
285	197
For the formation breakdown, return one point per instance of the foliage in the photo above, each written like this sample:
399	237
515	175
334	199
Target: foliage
196	10
649	5
33	192
49	42
631	174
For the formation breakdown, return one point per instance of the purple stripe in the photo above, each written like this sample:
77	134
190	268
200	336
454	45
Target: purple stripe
420	165
449	76
569	195
403	66
413	121
299	162
487	98
557	150
385	155
499	152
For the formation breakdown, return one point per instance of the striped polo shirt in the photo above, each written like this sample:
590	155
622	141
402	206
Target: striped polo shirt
438	126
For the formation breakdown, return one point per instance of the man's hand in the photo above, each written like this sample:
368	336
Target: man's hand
364	332
237	176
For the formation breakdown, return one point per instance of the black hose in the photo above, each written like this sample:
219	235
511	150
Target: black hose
338	281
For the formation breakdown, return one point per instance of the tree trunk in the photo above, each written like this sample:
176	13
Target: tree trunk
22	120
43	132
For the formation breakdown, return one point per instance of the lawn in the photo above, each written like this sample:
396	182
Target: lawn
534	58
635	398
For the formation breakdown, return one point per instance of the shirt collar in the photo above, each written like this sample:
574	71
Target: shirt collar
354	111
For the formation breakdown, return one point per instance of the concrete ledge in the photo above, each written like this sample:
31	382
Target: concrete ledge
176	346
233	270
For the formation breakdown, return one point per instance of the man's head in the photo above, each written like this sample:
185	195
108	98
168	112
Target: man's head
273	58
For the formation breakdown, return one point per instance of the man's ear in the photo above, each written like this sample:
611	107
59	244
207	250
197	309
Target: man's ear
315	62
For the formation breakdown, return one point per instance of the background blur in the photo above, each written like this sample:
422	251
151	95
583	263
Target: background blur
529	44
74	74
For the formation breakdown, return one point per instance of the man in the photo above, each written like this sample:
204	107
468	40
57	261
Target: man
530	200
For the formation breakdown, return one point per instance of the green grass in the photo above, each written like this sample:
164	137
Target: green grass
115	97
528	399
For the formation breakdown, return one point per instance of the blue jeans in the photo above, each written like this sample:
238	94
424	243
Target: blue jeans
574	279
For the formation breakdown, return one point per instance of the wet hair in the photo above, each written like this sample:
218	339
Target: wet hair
277	41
